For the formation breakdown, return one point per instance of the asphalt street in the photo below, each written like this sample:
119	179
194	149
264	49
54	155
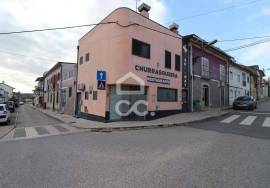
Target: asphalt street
29	117
193	156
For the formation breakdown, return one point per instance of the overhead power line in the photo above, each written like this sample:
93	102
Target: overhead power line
243	3
246	38
248	45
53	29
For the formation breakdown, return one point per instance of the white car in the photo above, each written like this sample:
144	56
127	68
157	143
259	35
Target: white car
4	114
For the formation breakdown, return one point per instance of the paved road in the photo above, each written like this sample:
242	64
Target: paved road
29	117
197	156
264	106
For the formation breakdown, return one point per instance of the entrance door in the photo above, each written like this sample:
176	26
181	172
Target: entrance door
185	100
205	95
78	104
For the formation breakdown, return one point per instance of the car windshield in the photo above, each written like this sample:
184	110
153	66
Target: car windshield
244	98
1	108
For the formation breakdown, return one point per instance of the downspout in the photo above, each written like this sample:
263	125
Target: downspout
60	89
191	73
76	83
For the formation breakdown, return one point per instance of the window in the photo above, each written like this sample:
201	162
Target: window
231	93
86	95
87	57
222	72
94	95
177	62
205	67
57	97
140	49
70	92
248	79
238	77
231	75
167	59
166	94
244	82
81	60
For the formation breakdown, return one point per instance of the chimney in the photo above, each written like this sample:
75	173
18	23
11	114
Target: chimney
144	10
174	27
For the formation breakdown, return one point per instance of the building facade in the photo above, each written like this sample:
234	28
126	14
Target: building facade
143	64
239	81
206	74
6	92
59	88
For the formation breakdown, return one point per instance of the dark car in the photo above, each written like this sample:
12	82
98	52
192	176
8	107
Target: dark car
245	102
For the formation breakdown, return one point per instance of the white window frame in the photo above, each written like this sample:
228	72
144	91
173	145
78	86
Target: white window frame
205	67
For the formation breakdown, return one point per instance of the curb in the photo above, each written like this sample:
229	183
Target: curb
111	129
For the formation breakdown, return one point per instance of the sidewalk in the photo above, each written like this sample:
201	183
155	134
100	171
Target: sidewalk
170	121
4	130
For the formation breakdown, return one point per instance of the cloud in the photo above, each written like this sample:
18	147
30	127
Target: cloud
21	71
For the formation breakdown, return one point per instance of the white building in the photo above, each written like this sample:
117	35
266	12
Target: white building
239	81
6	92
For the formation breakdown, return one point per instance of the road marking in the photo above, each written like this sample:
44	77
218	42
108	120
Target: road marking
248	120
52	130
230	119
31	132
266	122
255	113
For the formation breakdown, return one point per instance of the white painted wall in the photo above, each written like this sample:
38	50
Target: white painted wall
236	88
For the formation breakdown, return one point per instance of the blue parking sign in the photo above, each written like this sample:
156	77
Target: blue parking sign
101	75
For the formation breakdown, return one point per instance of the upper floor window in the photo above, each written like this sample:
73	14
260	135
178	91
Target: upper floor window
231	75
81	60
205	67
140	49
248	79
238	78
87	57
222	73
177	62
244	81
168	59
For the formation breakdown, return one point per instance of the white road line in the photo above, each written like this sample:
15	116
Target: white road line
31	132
248	120
255	113
52	130
230	119
266	122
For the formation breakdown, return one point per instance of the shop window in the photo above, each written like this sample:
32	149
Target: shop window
81	60
87	57
177	62
140	49
166	94
70	92
86	95
168	59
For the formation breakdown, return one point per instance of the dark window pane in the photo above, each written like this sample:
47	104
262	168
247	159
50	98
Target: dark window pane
167	59
141	49
81	60
86	95
87	57
166	94
177	62
70	91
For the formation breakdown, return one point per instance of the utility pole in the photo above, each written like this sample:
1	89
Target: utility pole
136	9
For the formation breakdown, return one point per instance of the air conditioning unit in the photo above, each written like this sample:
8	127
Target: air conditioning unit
81	87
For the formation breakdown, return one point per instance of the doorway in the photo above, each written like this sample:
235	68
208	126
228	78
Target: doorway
205	95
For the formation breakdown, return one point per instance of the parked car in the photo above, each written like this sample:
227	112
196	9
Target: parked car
245	102
21	103
4	114
11	106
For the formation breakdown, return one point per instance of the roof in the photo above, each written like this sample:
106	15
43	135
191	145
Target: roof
6	85
243	67
197	39
133	12
39	79
58	64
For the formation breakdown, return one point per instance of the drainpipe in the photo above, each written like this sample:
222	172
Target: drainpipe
76	78
191	74
60	89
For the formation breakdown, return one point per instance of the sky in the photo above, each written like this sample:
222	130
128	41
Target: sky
24	57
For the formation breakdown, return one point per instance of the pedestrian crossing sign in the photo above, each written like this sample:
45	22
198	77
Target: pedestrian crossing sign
101	85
